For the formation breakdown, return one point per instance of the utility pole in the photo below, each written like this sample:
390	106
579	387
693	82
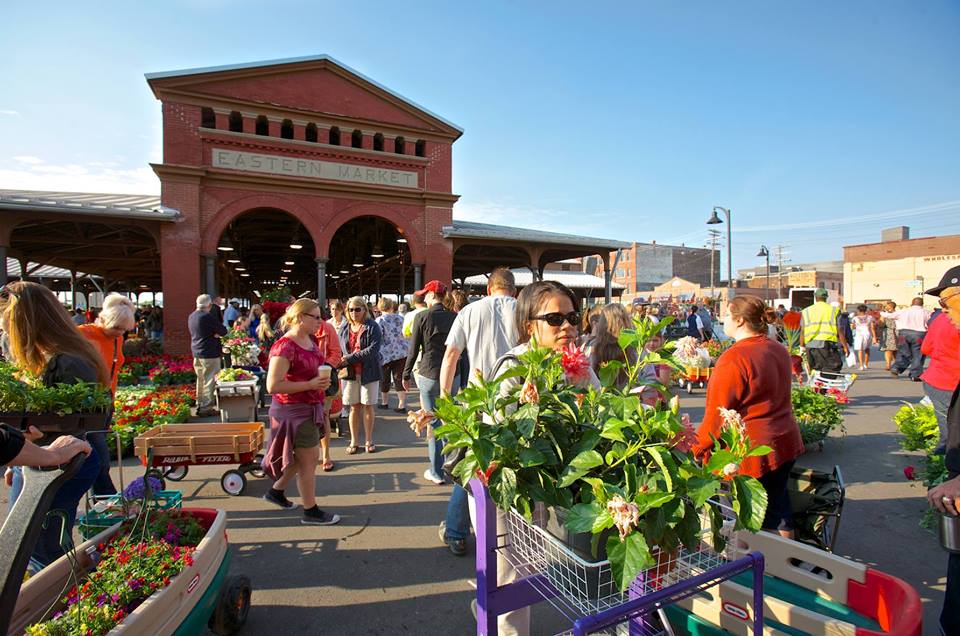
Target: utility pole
713	237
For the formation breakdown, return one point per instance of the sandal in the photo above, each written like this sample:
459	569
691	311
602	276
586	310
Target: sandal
371	448
327	466
353	450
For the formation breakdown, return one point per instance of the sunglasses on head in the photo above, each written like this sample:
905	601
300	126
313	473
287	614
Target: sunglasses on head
556	319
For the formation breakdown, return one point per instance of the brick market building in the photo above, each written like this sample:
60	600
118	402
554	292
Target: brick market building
298	172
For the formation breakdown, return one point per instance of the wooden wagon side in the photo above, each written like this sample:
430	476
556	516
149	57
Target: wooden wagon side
191	440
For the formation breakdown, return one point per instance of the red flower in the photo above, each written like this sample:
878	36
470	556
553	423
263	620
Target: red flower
484	475
909	472
576	365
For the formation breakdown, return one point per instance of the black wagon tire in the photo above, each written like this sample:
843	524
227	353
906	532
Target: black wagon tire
257	471
176	473
232	608
233	482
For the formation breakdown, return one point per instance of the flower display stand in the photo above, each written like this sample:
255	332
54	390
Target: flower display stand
584	592
237	401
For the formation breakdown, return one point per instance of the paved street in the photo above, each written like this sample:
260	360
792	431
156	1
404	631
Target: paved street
383	571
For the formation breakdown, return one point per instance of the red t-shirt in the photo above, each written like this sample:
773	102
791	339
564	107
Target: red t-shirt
942	345
303	367
753	377
354	345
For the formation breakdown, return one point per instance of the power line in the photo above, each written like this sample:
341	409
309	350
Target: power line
848	220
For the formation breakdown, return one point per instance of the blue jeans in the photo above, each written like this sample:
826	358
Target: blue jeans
941	404
16	487
949	617
458	514
103	485
67	499
908	353
429	392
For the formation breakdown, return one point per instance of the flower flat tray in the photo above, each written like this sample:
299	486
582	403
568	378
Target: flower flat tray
191	440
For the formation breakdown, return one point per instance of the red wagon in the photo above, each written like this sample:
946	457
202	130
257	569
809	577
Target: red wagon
172	448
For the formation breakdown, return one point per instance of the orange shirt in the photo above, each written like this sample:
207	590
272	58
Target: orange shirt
110	349
753	377
329	343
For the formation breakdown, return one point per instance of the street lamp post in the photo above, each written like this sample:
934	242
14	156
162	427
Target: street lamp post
714	219
765	252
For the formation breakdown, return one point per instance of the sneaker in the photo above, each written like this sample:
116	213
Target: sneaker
316	517
277	498
429	476
443	531
457	546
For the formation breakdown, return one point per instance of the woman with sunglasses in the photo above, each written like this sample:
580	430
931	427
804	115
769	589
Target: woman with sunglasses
45	342
296	411
106	335
361	371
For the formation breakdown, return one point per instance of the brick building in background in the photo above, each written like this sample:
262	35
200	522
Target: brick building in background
644	266
897	268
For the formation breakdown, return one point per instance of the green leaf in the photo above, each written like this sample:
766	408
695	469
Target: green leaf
582	517
526	419
759	451
716	525
627	338
483	449
749	502
588	441
503	487
630	479
719	459
689	528
654	452
531	457
603	521
649	500
579	467
609	373
700	489
628	558
613	429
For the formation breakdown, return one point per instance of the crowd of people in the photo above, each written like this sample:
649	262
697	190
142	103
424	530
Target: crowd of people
360	353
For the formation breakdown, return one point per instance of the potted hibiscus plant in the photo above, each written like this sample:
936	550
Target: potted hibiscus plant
613	467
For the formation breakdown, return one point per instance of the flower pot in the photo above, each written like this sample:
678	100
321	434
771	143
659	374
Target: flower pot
576	571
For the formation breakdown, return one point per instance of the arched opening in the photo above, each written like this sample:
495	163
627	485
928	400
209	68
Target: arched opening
399	145
263	126
286	129
334	136
236	121
421	150
207	118
369	256
378	142
263	257
311	133
356	139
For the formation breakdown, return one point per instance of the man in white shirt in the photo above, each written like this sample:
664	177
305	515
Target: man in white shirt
911	328
484	330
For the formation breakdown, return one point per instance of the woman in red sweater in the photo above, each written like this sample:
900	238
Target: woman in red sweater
753	377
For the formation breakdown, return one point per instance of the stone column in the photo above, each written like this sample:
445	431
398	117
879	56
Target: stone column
417	277
73	289
210	275
3	261
607	278
322	282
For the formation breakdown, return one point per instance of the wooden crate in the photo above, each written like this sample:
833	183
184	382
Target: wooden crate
194	439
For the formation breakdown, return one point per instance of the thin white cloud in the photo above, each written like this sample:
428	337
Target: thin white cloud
10	113
33	173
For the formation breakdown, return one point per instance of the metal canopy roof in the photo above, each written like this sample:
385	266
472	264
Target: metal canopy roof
34	270
127	206
296	60
574	280
469	229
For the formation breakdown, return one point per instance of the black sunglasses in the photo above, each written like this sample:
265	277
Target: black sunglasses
555	319
356	309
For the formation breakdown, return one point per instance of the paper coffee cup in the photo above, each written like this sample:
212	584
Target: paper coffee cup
324	372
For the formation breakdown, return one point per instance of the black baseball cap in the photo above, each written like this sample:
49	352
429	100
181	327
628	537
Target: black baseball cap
950	279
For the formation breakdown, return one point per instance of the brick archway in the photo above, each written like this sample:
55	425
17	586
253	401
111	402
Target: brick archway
214	229
415	241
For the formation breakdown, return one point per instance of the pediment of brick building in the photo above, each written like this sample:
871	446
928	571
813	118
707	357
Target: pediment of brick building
317	85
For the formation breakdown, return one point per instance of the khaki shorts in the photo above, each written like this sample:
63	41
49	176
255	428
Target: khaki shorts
356	393
308	435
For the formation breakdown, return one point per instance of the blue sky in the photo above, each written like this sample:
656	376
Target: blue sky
817	123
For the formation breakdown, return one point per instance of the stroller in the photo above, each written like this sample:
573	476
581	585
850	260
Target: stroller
817	501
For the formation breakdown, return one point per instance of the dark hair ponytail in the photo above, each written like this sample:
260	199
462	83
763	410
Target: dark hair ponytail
755	313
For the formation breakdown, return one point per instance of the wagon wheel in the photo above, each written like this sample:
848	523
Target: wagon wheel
232	607
156	474
233	482
175	473
257	471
